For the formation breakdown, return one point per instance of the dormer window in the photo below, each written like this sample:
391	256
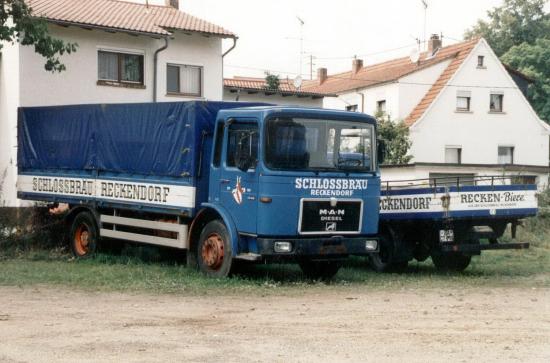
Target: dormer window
480	61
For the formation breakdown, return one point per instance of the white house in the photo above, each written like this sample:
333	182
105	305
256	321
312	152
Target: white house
466	112
251	89
127	52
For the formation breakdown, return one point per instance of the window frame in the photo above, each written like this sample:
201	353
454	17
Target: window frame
512	154
468	104
120	68
200	94
501	96
481	62
459	154
352	108
379	103
226	147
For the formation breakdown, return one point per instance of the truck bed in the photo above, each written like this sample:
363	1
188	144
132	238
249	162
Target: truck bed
483	197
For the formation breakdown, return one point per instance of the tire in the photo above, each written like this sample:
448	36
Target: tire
454	261
319	270
382	261
214	253
451	262
84	235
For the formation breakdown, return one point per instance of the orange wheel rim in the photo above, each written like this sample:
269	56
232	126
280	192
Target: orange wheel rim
213	251
82	240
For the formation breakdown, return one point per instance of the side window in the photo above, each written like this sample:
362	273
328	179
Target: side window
242	136
218	144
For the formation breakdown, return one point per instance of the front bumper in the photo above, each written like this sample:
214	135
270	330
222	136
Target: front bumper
321	247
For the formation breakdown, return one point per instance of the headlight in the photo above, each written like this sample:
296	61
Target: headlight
282	247
371	245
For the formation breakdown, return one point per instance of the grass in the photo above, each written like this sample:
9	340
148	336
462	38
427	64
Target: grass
146	269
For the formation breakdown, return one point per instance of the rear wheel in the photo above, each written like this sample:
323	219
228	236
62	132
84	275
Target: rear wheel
451	262
455	261
383	260
214	255
84	235
319	270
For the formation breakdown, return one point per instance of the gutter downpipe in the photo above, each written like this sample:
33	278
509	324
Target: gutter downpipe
362	100
155	71
223	57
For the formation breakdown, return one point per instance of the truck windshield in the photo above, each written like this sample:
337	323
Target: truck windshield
319	145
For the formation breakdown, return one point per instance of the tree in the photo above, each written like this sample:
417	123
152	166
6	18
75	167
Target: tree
18	25
519	33
514	23
396	138
272	81
534	61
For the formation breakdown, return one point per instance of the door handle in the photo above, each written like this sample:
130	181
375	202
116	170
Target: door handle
225	181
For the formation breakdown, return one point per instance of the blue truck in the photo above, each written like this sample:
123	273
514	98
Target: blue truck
237	181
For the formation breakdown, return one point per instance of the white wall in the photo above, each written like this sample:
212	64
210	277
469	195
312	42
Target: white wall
479	133
9	101
25	82
78	84
413	88
274	99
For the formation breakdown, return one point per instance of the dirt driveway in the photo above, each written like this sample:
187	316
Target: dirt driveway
48	324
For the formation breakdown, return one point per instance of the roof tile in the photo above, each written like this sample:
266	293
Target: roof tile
126	16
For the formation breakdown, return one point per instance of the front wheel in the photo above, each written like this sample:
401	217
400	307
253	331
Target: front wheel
214	255
84	235
319	270
384	259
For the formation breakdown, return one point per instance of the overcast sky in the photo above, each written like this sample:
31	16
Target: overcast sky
334	30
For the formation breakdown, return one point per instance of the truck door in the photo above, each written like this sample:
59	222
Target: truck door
239	176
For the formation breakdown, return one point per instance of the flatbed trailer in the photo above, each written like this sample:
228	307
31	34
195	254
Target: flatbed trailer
449	219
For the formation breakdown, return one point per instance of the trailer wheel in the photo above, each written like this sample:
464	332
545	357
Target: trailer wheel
214	250
84	235
451	262
319	270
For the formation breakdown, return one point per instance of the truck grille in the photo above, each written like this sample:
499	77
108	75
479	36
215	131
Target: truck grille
319	217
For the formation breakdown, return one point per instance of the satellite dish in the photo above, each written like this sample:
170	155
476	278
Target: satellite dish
415	55
298	82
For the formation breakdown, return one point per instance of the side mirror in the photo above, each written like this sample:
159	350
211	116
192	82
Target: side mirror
381	150
243	157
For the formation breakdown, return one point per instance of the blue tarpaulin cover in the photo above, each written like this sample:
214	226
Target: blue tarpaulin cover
160	139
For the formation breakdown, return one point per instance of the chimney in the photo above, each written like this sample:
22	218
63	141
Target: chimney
173	3
356	65
434	44
322	75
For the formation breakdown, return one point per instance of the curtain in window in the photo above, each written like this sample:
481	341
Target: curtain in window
452	155
131	68
108	66
505	155
190	80
173	79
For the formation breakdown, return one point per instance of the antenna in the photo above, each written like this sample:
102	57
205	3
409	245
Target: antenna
302	23
414	56
425	3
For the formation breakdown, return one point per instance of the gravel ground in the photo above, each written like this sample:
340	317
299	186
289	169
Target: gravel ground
489	325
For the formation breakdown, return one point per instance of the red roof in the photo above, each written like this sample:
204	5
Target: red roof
125	16
462	51
391	71
286	86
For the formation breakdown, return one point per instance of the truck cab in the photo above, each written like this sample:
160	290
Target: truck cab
294	184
